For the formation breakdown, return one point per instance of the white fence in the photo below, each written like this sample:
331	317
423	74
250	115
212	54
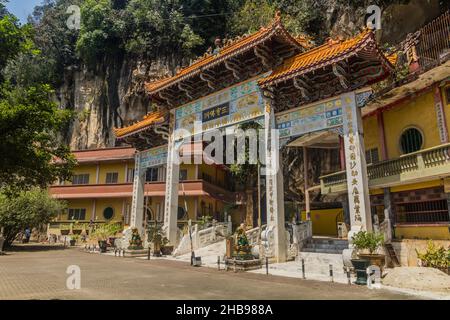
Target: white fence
202	238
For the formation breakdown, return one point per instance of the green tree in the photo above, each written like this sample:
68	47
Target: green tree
30	122
30	209
246	174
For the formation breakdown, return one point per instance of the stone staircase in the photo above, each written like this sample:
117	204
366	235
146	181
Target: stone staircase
325	245
319	253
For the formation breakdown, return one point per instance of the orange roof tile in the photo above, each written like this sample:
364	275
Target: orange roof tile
228	51
320	57
148	120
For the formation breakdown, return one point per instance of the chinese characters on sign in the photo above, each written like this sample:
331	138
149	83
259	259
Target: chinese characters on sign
440	116
356	168
314	118
153	157
235	104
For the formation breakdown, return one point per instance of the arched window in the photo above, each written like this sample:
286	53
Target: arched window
108	213
411	140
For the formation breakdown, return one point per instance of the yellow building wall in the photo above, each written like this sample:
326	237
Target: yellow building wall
324	222
446	105
115	203
370	127
422	232
416	186
419	113
190	170
90	169
78	204
112	167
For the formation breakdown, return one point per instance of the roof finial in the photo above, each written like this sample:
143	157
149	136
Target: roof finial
277	15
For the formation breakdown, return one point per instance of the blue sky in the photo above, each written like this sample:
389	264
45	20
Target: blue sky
22	8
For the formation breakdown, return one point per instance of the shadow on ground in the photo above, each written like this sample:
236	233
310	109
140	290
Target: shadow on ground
33	247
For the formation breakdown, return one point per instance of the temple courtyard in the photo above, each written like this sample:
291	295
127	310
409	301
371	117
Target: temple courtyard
39	272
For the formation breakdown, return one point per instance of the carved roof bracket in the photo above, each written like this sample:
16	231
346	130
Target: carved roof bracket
209	77
265	54
342	75
235	67
187	89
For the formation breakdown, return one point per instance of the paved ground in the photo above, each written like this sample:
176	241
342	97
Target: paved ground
41	274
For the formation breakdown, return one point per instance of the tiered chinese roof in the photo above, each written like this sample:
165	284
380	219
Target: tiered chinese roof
333	51
229	64
328	70
234	62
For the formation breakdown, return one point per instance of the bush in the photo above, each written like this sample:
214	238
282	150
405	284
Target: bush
434	256
31	209
370	241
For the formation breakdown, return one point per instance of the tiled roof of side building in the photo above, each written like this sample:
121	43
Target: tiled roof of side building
107	154
319	57
151	118
236	47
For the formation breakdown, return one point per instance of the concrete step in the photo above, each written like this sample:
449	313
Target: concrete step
319	250
325	246
329	241
319	263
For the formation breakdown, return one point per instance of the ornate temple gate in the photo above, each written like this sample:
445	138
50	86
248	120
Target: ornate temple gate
341	114
256	77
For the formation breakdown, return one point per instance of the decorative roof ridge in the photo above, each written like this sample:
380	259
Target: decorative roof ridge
231	46
150	118
349	44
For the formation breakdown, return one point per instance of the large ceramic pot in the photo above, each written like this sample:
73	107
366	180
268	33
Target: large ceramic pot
360	266
167	250
73	242
103	246
374	259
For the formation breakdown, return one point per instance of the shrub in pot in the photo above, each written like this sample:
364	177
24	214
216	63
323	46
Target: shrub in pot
103	232
157	238
73	239
367	245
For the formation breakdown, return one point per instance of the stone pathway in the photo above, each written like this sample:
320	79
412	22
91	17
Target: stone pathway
42	275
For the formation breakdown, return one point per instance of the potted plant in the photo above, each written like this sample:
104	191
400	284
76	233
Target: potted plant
73	239
157	237
103	232
367	245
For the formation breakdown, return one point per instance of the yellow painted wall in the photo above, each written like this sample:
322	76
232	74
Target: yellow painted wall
78	204
415	186
370	127
419	113
422	232
324	221
115	203
90	169
446	106
112	167
190	170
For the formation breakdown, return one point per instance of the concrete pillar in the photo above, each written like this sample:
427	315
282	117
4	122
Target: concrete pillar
356	168
137	204
274	186
172	185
